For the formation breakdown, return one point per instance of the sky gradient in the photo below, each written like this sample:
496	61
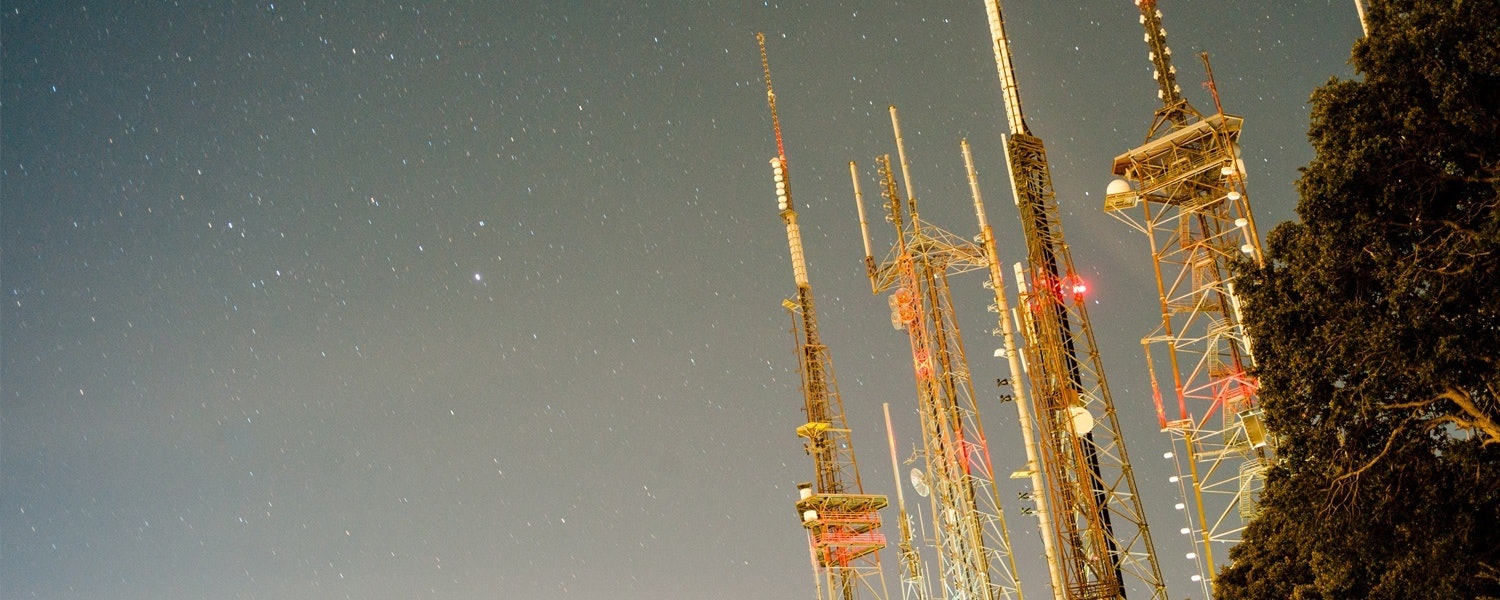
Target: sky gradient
483	299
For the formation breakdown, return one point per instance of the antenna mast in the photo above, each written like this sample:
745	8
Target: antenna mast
1175	109
973	543
1189	184
913	571
842	522
1098	527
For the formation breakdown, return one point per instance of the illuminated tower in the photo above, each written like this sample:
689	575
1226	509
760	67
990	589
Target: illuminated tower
1098	525
1187	183
842	522
973	546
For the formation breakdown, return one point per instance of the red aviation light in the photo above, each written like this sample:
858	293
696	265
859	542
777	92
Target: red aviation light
1076	285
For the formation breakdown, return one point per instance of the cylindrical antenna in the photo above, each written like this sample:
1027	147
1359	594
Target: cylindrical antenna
890	436
901	153
1007	71
789	216
984	222
864	226
1017	376
781	173
1364	23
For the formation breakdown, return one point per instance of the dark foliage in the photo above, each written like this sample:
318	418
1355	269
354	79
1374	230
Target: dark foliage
1377	327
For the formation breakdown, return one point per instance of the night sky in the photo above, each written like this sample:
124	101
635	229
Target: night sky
483	299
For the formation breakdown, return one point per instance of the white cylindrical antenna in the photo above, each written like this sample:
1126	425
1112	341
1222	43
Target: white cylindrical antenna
789	216
1017	376
859	202
794	239
901	153
890	436
1015	319
984	222
1003	65
1020	278
1364	23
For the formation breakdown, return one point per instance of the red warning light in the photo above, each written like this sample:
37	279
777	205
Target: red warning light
1075	284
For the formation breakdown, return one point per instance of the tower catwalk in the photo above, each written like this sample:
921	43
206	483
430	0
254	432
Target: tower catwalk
1098	523
842	522
1189	182
973	546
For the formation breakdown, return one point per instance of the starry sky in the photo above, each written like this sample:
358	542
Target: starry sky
483	299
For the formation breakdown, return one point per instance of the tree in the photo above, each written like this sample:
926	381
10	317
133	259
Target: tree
1377	327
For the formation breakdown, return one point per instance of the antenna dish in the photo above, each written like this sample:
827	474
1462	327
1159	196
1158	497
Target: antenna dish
1082	420
919	483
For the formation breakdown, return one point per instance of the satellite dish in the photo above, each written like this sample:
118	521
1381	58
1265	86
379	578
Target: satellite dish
1082	420
919	483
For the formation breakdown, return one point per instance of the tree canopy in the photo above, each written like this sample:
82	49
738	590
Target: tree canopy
1376	327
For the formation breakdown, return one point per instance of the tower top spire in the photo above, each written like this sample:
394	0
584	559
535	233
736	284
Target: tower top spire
1175	108
765	65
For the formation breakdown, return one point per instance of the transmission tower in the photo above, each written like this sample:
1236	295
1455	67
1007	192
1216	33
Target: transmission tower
1188	182
842	522
968	521
1098	524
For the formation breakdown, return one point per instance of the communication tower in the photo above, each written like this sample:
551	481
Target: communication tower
968	521
1188	183
1098	525
842	522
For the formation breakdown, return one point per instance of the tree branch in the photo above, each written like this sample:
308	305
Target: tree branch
1391	441
1488	427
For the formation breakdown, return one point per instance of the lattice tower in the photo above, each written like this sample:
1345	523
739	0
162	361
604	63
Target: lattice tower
842	522
1099	529
968	520
1185	189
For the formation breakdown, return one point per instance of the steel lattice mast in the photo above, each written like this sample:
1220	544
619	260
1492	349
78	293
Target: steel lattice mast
973	544
842	522
1098	523
1188	181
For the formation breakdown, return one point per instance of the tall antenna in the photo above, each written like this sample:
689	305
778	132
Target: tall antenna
1007	332
842	522
973	543
765	65
1099	529
1189	184
1175	109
